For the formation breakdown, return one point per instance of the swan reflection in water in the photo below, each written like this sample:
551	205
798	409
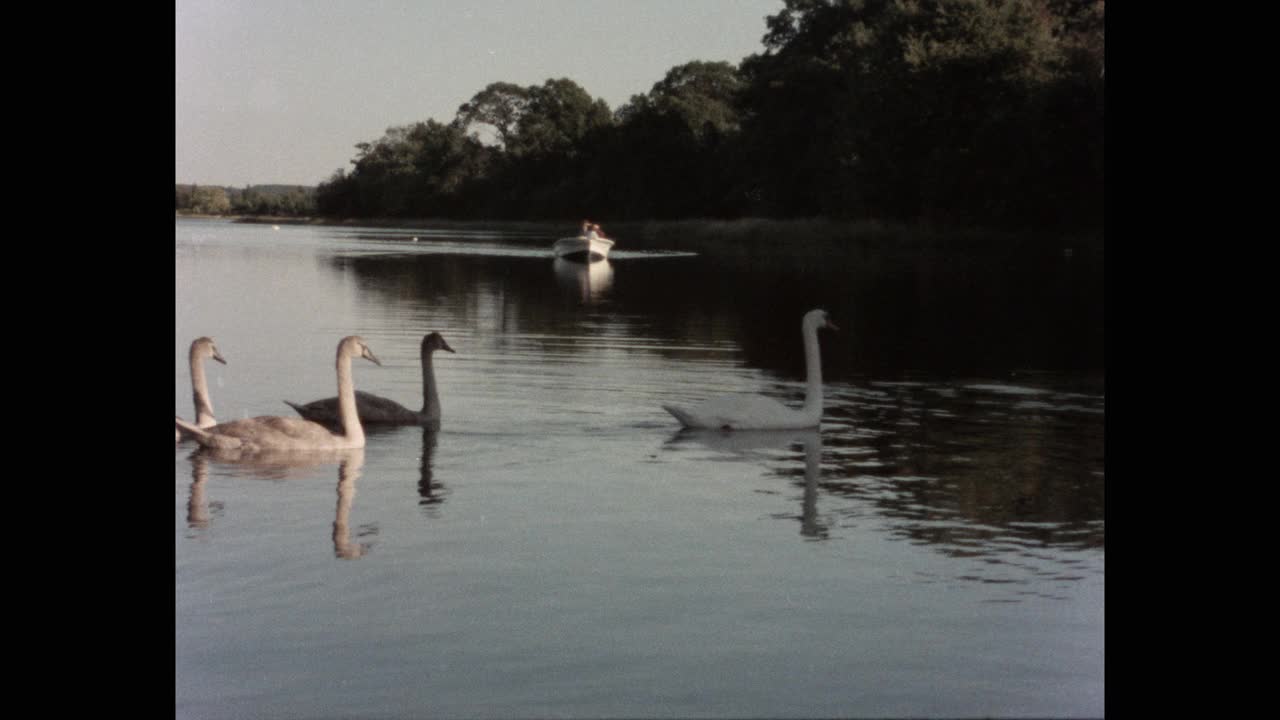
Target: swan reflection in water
430	492
282	464
589	282
762	445
197	503
343	548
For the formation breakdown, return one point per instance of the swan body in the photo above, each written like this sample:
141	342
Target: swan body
756	412
377	410
269	433
201	348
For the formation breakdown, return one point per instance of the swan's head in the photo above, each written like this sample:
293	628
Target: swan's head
433	342
353	346
819	319
204	348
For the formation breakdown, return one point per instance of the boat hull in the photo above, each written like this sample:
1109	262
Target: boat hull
581	249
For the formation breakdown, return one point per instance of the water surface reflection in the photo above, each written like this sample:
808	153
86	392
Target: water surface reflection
589	283
343	547
431	492
198	506
943	528
766	445
940	314
1005	479
286	465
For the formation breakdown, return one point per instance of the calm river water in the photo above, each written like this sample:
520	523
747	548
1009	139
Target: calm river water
559	549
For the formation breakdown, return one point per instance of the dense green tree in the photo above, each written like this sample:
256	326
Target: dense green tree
184	196
671	155
336	197
930	109
559	114
702	96
250	200
210	200
416	169
546	138
499	106
953	112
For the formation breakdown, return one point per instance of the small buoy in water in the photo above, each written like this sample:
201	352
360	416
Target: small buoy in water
415	238
275	227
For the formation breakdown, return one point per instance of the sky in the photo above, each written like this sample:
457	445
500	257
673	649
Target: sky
280	91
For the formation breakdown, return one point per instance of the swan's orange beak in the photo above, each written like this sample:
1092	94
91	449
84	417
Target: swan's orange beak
367	354
218	356
832	326
445	346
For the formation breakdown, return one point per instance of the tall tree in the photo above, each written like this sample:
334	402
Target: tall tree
499	106
558	115
672	155
703	96
210	200
906	109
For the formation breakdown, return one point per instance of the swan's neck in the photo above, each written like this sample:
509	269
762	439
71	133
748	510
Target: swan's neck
813	373
347	413
430	398
200	393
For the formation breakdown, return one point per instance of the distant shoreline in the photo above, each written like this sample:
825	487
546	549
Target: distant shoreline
406	223
745	231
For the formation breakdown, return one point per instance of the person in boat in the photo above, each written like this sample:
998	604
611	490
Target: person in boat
586	228
595	228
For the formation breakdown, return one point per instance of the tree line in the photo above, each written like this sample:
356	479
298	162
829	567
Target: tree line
952	113
279	200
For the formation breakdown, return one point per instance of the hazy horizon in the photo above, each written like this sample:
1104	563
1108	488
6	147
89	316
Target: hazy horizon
280	93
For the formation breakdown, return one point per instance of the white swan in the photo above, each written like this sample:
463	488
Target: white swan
756	412
266	433
201	348
375	410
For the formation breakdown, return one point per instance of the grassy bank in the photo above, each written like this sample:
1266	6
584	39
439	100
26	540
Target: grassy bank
758	234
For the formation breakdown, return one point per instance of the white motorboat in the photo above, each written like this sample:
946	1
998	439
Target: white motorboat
584	248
